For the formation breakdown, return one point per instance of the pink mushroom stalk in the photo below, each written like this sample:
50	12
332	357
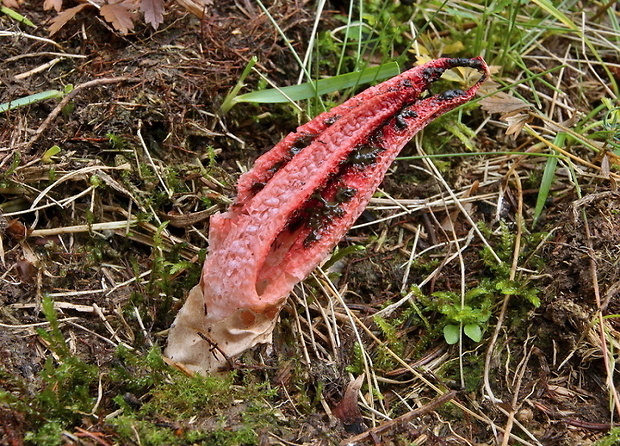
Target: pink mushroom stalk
293	207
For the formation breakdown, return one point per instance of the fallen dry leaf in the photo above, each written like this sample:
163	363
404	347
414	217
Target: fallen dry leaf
153	12
62	18
348	411
512	110
515	123
119	16
11	4
196	7
52	4
504	104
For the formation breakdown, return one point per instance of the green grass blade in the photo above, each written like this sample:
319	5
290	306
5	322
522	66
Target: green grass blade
552	10
229	101
547	179
27	100
312	89
16	16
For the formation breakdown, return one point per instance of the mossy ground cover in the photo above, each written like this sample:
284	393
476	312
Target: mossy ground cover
486	265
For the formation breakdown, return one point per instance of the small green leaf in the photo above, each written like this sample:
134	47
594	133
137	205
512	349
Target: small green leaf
451	334
180	266
341	253
95	181
49	153
532	297
473	332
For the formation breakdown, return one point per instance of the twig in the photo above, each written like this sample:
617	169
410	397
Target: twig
45	66
515	397
28	36
513	271
106	324
38	324
437	402
609	369
45	53
63	305
215	349
54	113
151	162
107	226
145	333
103	338
502	314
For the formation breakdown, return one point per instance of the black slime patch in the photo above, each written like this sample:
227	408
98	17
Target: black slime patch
463	62
319	217
301	143
331	120
363	155
257	187
431	74
450	94
277	166
345	194
401	117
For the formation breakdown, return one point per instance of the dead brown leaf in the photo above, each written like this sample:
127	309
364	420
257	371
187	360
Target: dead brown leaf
196	7
63	17
513	110
348	411
153	12
52	4
11	4
119	16
516	123
504	104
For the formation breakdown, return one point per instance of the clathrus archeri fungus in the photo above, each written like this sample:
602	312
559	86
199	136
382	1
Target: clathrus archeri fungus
294	206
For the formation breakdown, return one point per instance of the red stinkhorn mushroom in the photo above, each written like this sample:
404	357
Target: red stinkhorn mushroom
294	206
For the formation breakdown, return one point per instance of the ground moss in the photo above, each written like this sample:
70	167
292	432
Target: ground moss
164	406
611	439
181	409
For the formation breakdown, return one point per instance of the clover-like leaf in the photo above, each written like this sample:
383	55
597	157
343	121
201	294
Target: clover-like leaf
473	332
451	333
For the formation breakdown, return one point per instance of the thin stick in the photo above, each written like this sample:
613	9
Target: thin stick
94	83
38	324
111	225
151	162
415	413
40	68
502	314
609	369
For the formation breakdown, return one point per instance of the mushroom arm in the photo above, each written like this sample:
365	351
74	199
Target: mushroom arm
294	206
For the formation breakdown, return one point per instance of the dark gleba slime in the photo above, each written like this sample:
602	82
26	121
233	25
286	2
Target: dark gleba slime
294	206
